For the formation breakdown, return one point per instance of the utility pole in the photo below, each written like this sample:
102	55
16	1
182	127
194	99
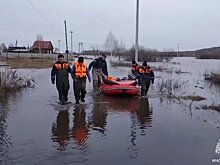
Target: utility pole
79	48
178	47
71	32
59	45
136	37
67	52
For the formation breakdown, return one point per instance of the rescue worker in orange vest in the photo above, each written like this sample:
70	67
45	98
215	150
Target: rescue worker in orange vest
135	68
146	76
79	73
60	73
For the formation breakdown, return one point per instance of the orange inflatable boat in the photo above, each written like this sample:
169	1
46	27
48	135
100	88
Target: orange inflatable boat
116	86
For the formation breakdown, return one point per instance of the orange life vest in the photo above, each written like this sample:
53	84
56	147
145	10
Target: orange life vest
62	66
146	70
135	68
80	70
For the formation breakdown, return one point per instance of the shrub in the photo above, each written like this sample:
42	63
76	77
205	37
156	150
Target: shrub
14	81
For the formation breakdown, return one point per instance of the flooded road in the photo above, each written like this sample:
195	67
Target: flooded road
35	129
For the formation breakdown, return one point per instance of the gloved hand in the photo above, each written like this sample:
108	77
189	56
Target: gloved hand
152	81
53	81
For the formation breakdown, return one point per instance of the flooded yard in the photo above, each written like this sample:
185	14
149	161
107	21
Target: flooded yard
35	129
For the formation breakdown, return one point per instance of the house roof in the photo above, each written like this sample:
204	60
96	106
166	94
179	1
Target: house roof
42	45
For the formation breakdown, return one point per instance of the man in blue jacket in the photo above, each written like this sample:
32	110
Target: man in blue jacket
60	73
99	67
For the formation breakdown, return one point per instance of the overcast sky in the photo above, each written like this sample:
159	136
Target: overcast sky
193	24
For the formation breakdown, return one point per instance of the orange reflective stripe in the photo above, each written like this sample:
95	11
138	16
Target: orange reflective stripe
135	67
62	66
146	70
65	65
58	66
141	70
80	70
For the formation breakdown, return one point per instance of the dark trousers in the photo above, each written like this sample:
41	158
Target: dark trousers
145	84
79	87
63	89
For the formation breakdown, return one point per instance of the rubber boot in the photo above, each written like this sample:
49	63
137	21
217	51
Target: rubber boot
142	92
83	94
77	101
95	85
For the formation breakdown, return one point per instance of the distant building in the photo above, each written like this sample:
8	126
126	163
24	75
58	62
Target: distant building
18	49
42	47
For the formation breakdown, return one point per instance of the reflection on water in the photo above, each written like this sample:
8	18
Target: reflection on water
97	119
144	114
60	130
80	131
140	120
74	130
5	141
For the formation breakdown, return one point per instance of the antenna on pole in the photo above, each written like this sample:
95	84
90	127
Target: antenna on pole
67	52
136	37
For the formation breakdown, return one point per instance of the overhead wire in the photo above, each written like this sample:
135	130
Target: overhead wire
38	12
97	16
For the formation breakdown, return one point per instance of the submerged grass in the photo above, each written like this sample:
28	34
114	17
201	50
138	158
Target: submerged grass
193	98
120	63
213	77
211	107
14	82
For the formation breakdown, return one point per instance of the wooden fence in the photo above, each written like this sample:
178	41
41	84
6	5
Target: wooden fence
3	68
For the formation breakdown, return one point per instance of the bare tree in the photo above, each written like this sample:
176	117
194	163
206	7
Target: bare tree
10	45
3	47
39	37
112	44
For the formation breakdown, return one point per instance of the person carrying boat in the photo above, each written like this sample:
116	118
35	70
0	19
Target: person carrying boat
79	73
146	76
60	73
99	67
134	70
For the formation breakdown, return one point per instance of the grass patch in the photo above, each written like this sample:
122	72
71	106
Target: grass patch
15	82
29	63
159	69
120	63
213	77
193	98
211	107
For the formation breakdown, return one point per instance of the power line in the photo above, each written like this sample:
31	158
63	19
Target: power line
38	12
97	16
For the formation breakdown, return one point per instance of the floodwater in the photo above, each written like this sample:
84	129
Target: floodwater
35	129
